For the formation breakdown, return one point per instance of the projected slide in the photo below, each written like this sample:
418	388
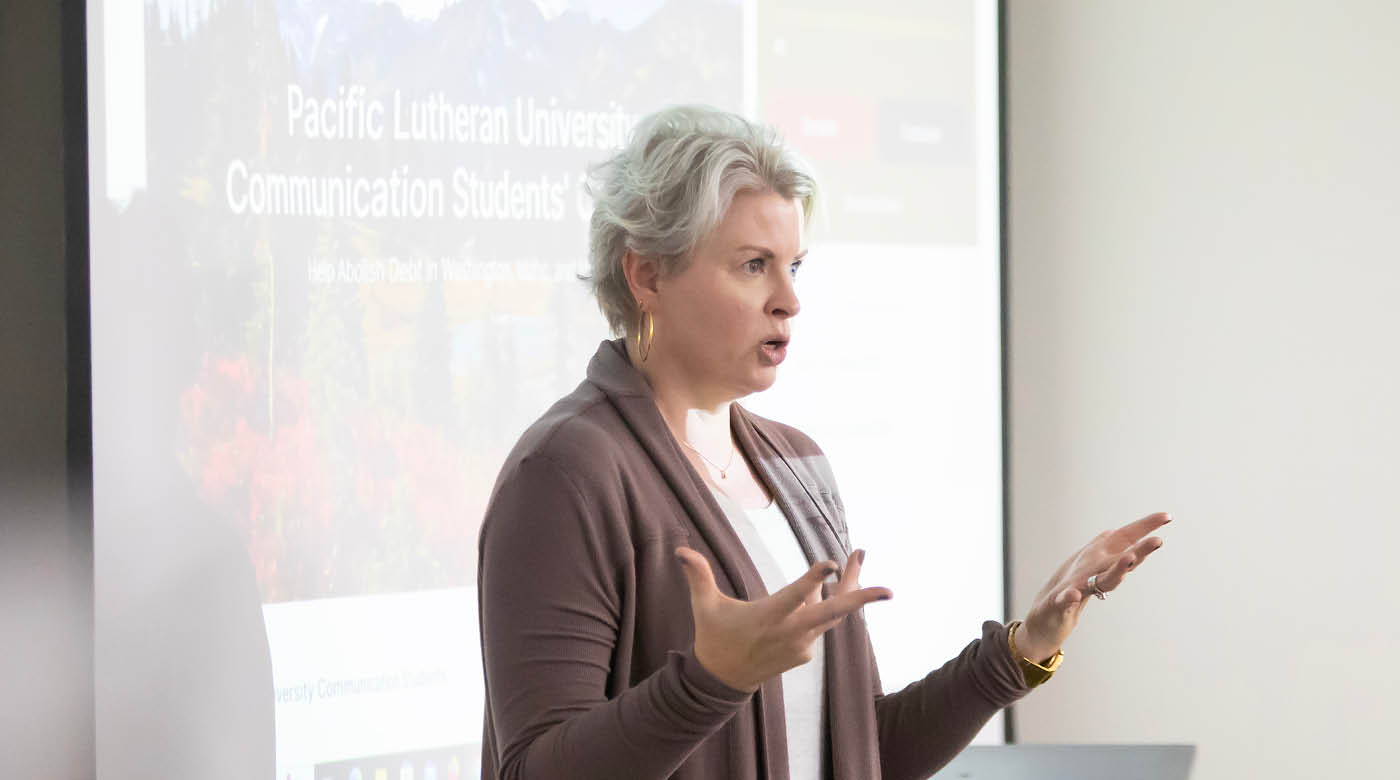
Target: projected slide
335	249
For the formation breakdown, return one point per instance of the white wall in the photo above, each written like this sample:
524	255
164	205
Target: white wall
1204	275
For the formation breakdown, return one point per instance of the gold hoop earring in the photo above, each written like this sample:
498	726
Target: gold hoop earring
651	335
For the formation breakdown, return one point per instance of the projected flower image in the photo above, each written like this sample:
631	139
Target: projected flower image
381	209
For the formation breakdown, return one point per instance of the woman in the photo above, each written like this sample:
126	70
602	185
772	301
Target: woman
658	564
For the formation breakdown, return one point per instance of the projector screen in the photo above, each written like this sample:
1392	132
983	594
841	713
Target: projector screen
335	249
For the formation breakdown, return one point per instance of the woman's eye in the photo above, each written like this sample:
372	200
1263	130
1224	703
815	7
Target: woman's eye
792	269
754	266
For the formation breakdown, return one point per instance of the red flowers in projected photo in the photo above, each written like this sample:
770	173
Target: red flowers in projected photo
333	497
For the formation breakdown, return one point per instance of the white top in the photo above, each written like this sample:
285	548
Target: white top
772	545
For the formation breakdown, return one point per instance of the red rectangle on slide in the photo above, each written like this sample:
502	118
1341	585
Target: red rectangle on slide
839	128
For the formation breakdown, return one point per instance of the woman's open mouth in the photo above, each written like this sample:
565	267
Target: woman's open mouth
774	350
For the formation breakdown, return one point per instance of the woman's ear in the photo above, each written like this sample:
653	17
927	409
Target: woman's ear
643	276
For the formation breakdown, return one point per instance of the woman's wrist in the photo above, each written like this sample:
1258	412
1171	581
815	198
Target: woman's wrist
711	682
1034	672
723	676
1030	646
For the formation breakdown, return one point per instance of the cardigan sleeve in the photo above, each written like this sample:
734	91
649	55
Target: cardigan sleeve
925	725
550	615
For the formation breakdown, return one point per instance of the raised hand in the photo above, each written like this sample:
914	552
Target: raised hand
1107	558
743	643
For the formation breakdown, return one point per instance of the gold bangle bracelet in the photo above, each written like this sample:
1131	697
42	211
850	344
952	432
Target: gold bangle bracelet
1035	673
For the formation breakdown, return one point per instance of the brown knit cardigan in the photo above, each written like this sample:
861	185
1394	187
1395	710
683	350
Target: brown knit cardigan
586	631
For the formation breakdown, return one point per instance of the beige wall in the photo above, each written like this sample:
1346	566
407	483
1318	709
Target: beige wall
1204	292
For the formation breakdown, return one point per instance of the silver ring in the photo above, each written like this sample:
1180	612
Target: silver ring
1094	586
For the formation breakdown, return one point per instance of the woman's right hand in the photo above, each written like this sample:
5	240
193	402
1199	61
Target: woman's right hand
743	643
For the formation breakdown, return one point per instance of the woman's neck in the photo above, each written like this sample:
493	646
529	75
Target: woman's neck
702	422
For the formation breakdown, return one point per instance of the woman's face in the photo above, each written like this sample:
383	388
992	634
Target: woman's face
722	324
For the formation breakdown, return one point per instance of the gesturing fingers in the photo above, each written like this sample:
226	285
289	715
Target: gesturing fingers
1105	581
1143	549
799	591
833	610
850	578
744	643
1126	561
1128	535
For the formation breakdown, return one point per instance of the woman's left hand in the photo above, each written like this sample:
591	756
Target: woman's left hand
1108	558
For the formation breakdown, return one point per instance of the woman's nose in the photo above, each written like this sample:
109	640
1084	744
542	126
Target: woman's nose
784	302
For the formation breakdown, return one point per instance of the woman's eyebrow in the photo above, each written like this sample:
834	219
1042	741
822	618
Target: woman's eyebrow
766	252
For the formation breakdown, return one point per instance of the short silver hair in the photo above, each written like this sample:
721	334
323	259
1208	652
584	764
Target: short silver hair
671	185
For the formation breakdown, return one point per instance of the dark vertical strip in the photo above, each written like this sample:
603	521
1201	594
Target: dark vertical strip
73	49
1010	720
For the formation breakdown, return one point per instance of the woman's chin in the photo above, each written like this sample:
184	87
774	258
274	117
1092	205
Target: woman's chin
764	378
